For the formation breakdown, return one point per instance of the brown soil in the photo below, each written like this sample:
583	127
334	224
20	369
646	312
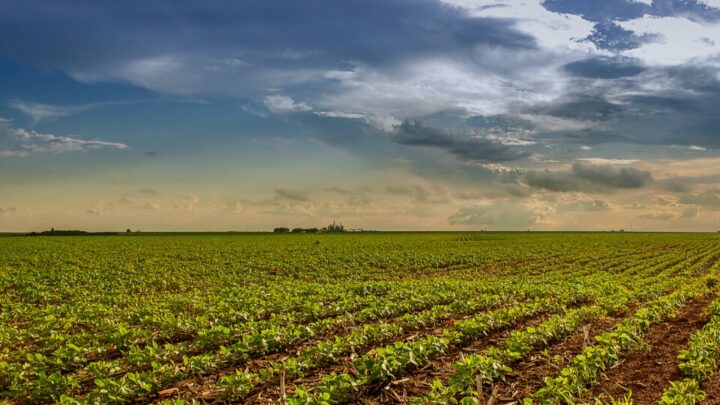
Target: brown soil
417	382
203	386
390	392
712	389
200	388
529	375
648	370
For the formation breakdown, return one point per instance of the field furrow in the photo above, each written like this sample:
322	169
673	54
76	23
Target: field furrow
355	318
645	371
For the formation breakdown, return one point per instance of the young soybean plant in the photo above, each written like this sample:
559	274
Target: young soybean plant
698	363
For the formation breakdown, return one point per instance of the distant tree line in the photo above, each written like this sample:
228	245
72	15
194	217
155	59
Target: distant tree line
330	228
296	230
68	232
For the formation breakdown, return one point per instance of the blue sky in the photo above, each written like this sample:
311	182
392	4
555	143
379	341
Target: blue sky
383	114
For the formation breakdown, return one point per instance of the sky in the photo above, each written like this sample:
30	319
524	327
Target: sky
382	114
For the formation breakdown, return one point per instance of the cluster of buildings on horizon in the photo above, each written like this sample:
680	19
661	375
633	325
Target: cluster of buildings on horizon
332	228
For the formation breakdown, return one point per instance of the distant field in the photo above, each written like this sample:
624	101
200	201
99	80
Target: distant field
361	318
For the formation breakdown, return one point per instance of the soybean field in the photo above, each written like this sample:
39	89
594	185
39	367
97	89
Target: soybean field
361	318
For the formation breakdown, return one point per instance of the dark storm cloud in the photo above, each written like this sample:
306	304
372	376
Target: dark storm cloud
683	110
413	133
587	137
605	68
580	107
662	104
613	177
255	42
589	178
501	121
685	113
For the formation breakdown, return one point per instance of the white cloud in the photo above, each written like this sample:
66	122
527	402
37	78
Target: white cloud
285	104
488	81
153	73
500	168
38	112
605	161
678	40
487	86
339	114
29	142
551	30
711	3
183	74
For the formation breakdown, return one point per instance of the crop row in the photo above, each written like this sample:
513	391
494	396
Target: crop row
572	382
175	361
328	351
133	384
157	319
122	319
698	363
472	372
385	363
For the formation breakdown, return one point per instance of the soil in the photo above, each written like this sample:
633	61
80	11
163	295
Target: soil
418	381
648	369
712	389
394	390
529	375
205	384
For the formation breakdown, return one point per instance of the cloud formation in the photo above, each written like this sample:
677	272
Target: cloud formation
179	47
413	133
291	195
504	112
285	104
709	199
495	217
603	67
25	143
38	112
589	178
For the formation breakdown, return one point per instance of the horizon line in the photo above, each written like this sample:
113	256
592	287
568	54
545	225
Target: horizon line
121	233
